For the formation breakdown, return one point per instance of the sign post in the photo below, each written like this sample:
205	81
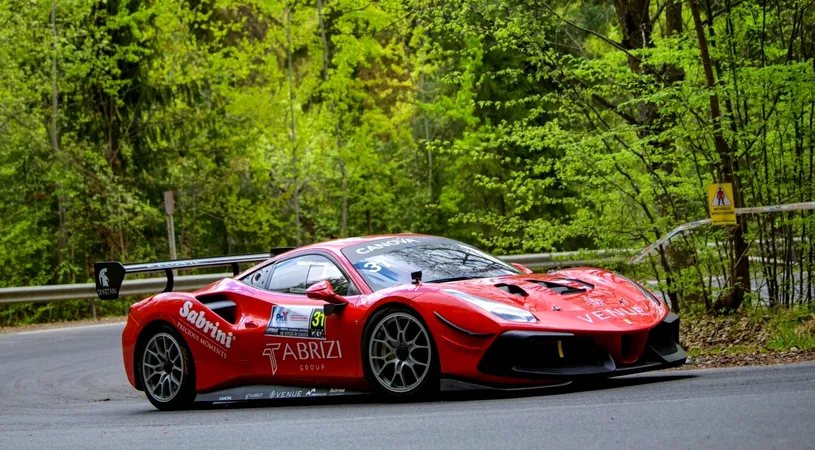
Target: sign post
720	204
169	208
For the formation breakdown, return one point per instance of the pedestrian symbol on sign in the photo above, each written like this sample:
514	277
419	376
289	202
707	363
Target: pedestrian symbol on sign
721	198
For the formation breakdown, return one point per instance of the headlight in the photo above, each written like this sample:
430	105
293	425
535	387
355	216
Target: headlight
646	293
506	312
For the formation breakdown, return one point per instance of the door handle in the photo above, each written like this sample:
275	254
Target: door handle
251	324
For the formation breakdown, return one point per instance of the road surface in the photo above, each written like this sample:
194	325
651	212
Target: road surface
66	388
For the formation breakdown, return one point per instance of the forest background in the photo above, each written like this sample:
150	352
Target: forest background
519	126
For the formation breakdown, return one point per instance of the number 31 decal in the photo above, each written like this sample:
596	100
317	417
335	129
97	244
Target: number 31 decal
372	266
375	266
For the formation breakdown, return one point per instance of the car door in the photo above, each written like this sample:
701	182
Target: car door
299	342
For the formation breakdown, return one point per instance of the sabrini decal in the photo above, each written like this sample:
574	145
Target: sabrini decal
199	320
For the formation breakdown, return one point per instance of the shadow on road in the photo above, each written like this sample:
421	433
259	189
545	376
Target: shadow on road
577	386
456	396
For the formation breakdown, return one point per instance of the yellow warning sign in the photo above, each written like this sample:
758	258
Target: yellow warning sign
720	203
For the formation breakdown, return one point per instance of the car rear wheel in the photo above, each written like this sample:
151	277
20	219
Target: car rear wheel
400	356
167	372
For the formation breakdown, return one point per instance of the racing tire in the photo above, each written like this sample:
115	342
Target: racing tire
400	359
166	370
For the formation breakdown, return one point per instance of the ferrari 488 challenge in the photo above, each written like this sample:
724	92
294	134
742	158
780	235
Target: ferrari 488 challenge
399	315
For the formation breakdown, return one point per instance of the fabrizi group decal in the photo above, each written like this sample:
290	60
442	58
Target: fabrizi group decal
310	355
297	321
205	330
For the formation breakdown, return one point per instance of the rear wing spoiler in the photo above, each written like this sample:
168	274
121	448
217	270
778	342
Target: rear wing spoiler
109	275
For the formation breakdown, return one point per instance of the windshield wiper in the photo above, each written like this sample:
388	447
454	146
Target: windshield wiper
445	280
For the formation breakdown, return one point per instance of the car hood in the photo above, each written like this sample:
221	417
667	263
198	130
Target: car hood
593	298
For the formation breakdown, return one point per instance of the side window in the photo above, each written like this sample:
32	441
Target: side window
295	275
260	278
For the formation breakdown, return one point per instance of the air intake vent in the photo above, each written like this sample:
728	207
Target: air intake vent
220	305
588	285
563	289
512	289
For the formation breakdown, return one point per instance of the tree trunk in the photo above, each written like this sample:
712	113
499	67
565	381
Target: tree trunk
293	130
344	217
635	25
61	199
343	174
740	265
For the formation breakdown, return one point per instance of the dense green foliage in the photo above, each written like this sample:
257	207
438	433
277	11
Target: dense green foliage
517	125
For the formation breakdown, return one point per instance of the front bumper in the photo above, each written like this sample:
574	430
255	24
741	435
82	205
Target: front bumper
554	355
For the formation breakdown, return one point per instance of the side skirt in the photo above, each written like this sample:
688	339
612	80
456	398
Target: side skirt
270	392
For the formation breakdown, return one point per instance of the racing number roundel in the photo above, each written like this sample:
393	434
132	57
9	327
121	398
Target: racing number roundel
297	321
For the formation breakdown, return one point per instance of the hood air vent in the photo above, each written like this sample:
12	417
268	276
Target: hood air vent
562	288
512	289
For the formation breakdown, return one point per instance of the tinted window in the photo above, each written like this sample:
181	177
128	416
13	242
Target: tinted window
295	275
260	278
390	261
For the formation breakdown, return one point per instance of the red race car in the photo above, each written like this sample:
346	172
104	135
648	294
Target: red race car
400	315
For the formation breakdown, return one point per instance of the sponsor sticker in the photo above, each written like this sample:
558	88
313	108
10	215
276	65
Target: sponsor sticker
297	321
288	393
310	355
198	326
386	244
611	313
256	392
316	393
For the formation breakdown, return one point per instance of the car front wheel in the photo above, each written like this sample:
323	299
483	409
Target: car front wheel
400	356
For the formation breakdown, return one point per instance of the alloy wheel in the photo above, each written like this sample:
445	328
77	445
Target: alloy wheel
399	352
162	367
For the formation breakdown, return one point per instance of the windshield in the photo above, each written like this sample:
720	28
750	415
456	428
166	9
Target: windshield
390	261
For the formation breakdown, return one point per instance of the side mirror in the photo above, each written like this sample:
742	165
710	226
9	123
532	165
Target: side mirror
322	290
522	268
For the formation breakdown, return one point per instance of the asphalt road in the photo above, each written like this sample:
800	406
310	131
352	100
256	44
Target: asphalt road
66	388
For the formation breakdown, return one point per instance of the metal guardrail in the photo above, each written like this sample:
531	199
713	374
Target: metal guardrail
567	259
148	286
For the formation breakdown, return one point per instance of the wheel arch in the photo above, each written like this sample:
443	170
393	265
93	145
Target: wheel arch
389	303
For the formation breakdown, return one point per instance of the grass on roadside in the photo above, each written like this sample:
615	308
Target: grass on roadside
749	331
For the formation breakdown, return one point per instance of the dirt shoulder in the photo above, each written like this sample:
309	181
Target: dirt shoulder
748	359
54	325
748	338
